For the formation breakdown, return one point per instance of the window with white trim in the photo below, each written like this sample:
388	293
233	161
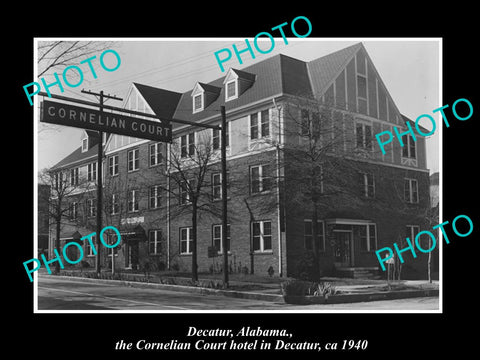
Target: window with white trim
198	103
368	185
186	240
156	156
155	196
187	145
74	176
259	125
368	237
364	136
114	205
217	238
132	200
217	186
113	165
411	191
308	234
133	160
85	145
262	236
92	172
88	247
155	242
409	149
260	179
231	90
91	208
73	210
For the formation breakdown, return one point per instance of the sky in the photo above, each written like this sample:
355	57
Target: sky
410	69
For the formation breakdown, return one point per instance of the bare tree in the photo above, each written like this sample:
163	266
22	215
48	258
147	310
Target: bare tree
65	185
53	55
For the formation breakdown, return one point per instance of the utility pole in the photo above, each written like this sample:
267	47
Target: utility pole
224	196
101	97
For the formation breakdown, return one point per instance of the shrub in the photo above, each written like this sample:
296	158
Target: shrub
307	267
296	287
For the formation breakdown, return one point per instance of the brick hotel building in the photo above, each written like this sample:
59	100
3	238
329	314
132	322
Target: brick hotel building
388	194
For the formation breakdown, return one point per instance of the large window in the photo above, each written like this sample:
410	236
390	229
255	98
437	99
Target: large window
133	160
155	154
308	234
262	236
155	242
217	237
364	136
411	191
132	200
113	165
260	179
186	240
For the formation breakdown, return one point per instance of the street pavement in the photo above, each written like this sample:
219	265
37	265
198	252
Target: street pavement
55	293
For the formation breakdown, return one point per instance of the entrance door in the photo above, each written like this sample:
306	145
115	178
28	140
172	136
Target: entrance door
132	255
343	248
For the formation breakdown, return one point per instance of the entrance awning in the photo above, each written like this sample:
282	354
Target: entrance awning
135	234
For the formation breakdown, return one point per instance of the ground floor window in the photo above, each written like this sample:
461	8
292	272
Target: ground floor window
186	240
217	237
155	242
368	237
308	234
262	236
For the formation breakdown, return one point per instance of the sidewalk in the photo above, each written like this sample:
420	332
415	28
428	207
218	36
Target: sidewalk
265	288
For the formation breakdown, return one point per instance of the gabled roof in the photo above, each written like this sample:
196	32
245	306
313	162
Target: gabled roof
162	102
77	156
210	88
244	75
323	70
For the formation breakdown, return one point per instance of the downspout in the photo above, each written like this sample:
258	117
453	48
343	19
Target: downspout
279	220
167	150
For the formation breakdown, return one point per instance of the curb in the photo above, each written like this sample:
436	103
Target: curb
352	298
181	288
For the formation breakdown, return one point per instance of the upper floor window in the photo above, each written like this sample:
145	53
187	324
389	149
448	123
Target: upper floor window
187	145
85	144
73	211
74	176
260	179
216	137
113	165
92	171
411	191
91	207
155	196
409	149
198	103
231	90
259	125
133	200
156	156
133	160
364	136
114	205
368	185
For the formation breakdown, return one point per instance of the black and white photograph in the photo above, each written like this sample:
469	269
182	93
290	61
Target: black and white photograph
225	181
315	198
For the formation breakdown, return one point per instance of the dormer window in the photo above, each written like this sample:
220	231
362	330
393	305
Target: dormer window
231	90
198	103
85	144
236	82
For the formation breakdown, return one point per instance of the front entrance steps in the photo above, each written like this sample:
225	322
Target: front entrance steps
358	272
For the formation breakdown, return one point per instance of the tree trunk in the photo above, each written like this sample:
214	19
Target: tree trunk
57	244
194	242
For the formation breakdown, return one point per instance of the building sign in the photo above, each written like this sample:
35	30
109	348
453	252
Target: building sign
69	115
